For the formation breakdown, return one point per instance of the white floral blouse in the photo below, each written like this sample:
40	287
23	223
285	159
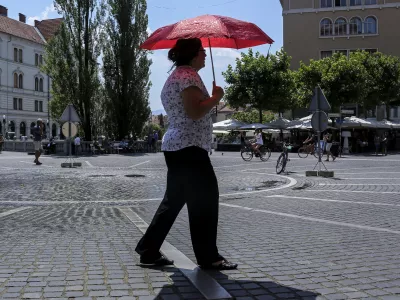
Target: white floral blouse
184	132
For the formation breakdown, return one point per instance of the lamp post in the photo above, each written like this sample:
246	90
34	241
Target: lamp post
4	125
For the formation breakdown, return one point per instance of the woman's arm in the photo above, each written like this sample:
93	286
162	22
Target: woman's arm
194	104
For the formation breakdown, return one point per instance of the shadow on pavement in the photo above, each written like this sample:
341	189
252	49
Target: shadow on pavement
260	288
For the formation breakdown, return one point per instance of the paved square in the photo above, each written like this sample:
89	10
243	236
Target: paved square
67	234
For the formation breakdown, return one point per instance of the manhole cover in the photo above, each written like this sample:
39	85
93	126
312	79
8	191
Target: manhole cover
101	175
135	176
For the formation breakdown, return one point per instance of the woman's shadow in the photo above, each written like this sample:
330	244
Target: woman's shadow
260	288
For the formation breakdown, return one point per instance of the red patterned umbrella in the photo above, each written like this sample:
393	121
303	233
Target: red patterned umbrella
214	31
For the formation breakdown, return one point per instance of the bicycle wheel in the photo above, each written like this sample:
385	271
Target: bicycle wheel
303	153
246	154
317	151
281	164
265	153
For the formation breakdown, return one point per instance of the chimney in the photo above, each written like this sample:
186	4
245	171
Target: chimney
37	23
22	18
3	11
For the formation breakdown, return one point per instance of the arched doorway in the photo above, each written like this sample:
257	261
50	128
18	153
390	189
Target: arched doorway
54	130
12	126
22	129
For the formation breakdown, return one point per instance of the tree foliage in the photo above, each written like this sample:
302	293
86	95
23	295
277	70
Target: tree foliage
362	78
71	59
252	116
126	66
264	82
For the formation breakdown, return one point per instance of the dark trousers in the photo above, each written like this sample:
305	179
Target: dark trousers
191	180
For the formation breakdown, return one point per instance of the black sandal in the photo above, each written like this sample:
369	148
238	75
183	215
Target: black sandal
224	265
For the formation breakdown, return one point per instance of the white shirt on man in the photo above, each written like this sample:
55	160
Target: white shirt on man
259	139
77	141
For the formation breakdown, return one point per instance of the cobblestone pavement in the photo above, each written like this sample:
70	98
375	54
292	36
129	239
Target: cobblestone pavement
63	235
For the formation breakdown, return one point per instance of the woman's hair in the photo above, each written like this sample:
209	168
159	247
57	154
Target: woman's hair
184	51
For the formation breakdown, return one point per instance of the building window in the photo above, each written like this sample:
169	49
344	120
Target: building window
41	85
33	124
36	105
16	54
370	26
20	55
41	106
22	129
38	59
370	51
325	54
340	27
326	28
370	2
326	3
340	3
355	2
18	104
20	81
355	26
15	80
36	84
344	52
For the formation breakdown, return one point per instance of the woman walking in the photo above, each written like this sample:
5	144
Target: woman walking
191	179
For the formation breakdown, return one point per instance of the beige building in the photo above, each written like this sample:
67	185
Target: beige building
314	29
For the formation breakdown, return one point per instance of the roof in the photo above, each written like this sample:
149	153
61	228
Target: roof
19	29
49	27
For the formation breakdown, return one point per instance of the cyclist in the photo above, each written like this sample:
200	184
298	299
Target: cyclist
310	143
259	142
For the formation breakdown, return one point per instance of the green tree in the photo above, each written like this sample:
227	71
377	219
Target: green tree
264	82
126	66
252	116
71	59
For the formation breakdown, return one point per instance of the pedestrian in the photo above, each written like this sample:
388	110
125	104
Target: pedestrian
1	142
377	141
155	140
190	179
384	143
328	143
37	132
77	143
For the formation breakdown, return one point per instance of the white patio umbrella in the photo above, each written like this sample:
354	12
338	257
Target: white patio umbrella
230	124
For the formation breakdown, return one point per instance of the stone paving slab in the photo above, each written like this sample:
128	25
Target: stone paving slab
78	251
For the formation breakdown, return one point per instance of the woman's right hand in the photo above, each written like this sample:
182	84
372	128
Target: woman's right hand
217	92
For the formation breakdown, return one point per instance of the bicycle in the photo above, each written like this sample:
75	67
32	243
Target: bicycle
283	158
304	151
247	153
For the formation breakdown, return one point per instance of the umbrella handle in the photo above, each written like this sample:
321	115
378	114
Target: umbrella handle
212	65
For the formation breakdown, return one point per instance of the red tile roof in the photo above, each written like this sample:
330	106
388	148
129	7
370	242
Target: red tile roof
19	29
49	27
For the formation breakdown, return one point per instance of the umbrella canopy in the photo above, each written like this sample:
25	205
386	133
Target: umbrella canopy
391	124
279	123
354	122
255	126
228	125
215	31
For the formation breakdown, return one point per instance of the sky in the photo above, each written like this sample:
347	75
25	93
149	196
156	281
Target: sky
267	14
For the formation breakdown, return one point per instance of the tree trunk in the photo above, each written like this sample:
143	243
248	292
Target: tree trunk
87	98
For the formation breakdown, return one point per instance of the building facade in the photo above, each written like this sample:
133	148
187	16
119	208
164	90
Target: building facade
315	29
24	88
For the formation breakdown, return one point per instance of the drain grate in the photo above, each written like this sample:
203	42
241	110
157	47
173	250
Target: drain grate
101	176
135	176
